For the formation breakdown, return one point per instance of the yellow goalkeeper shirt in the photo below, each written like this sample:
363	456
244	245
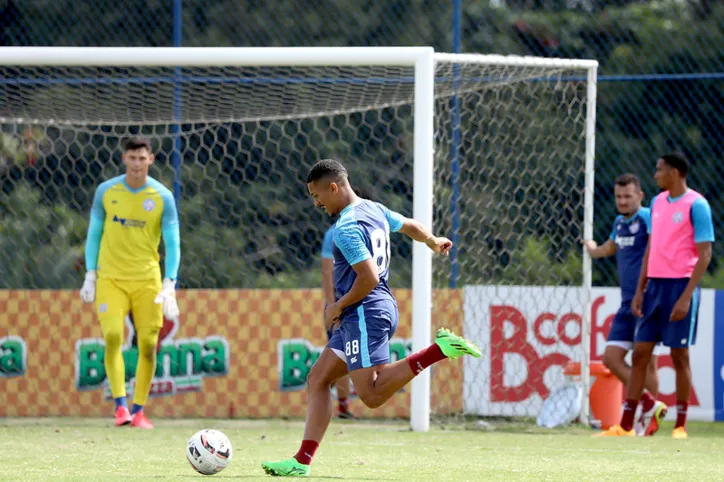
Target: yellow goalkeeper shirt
125	231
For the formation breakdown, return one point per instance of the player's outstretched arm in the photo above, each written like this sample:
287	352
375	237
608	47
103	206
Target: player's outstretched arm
604	251
93	246
419	232
172	245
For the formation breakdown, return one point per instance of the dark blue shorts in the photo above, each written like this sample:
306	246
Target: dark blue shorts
623	327
362	339
659	299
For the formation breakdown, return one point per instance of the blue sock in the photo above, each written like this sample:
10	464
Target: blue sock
136	408
120	402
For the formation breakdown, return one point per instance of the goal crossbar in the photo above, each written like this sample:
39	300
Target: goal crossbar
423	59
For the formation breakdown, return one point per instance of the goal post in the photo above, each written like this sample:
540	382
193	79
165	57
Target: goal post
265	113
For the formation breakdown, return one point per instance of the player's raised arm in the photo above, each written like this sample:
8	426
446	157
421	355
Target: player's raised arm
172	244
93	245
419	232
416	230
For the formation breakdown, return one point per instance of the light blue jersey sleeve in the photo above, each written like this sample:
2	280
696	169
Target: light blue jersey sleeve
95	228
701	219
395	220
612	237
328	244
645	214
348	237
171	236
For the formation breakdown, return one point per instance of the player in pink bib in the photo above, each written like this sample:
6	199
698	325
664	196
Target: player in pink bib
667	296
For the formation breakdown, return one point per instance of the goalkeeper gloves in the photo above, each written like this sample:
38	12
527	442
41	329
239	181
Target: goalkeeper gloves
167	298
88	291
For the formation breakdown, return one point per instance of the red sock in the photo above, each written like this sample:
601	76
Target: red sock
681	409
424	358
629	412
306	452
343	405
647	401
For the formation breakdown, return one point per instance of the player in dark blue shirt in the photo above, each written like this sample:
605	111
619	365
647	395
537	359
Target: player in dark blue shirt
628	240
364	311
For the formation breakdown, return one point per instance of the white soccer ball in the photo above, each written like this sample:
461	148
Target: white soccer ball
208	451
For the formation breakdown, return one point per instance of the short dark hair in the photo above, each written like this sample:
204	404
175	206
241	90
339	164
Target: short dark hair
137	142
327	168
628	178
678	161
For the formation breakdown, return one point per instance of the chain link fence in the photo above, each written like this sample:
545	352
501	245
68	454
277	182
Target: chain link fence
661	88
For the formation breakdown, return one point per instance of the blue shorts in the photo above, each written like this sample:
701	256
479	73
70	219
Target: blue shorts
659	299
363	337
623	327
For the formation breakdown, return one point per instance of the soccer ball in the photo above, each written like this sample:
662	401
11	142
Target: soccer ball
208	451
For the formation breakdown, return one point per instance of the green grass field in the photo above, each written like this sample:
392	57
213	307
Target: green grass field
81	449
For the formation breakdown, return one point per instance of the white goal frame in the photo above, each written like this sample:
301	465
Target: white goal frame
423	60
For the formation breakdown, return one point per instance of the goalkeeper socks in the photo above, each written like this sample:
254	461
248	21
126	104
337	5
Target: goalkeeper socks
647	401
306	452
629	412
424	358
120	402
136	408
681	408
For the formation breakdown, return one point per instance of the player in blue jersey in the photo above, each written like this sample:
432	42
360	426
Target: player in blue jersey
668	294
343	384
628	241
364	309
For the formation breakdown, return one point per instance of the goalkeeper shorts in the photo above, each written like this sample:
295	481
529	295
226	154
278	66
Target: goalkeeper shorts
117	298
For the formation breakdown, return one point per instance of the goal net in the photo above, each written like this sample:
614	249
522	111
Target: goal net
234	144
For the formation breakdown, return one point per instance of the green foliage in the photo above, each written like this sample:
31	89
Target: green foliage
239	229
40	245
533	265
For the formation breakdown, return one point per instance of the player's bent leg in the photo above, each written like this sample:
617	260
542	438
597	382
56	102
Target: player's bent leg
377	384
343	398
640	360
647	334
112	305
652	411
614	358
329	367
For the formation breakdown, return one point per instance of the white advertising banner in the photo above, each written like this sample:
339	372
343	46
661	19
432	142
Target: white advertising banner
529	333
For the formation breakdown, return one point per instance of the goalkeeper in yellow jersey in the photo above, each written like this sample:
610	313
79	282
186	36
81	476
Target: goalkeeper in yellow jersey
128	217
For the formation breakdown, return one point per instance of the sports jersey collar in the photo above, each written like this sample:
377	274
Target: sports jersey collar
134	191
674	199
350	206
633	216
